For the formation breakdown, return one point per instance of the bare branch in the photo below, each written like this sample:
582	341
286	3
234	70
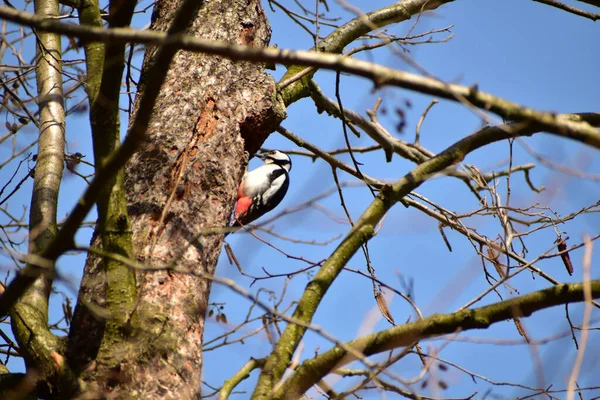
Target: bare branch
587	313
311	370
570	9
577	129
242	374
591	2
351	31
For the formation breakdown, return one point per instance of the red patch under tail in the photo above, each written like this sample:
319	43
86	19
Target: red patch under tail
242	206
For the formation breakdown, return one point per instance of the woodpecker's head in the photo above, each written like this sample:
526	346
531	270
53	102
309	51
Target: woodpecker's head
276	157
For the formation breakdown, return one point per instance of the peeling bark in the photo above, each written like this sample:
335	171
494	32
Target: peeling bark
182	181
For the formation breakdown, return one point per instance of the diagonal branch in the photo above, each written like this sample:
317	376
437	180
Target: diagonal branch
389	143
311	371
334	162
570	9
591	2
364	230
576	129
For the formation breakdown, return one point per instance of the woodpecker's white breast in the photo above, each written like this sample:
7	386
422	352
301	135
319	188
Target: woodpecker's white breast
258	181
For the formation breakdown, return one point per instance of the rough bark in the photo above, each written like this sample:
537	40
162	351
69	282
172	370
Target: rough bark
183	181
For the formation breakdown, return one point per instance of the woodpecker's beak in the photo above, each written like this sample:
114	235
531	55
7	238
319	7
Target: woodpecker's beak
262	156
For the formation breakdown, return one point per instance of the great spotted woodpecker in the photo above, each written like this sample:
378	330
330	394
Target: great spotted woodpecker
263	188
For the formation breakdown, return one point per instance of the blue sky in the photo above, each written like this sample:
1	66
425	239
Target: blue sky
521	50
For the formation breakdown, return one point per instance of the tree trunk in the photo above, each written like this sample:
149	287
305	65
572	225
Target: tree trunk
181	182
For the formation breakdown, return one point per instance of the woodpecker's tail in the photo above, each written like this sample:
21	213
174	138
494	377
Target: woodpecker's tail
233	227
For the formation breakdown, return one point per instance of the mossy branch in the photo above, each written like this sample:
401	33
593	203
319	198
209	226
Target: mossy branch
362	231
105	65
41	349
239	376
311	371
